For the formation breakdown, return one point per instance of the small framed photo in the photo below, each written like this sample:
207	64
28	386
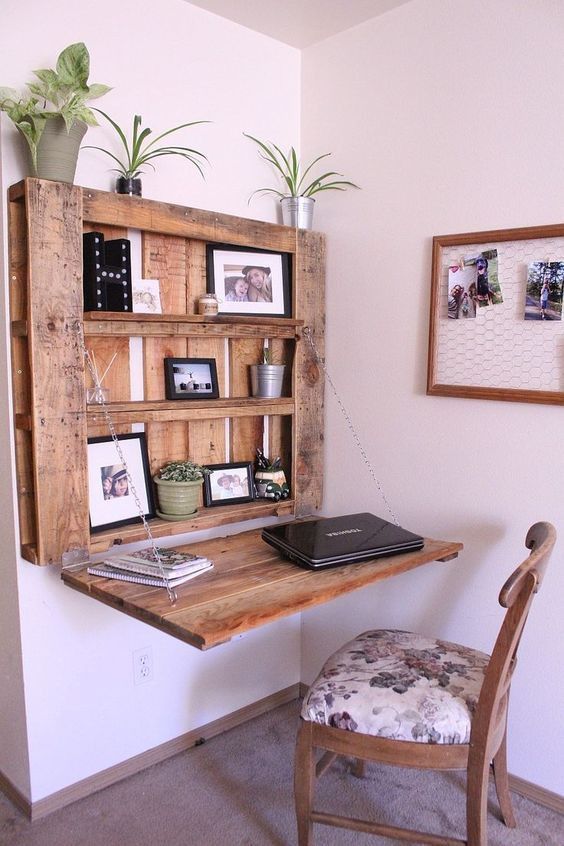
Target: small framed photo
249	282
191	378
111	499
228	484
146	296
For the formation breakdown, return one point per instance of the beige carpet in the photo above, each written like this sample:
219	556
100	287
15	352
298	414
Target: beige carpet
236	790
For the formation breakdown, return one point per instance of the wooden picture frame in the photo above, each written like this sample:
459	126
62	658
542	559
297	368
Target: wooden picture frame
498	355
249	282
229	484
111	500
191	378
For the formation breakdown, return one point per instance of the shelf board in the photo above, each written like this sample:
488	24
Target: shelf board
227	326
155	411
206	518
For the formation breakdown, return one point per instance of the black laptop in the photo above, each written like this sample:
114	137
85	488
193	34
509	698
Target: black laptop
330	541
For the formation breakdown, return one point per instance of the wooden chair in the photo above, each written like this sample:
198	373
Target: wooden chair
411	701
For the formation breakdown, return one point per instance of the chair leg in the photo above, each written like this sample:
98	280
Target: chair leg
359	768
477	802
502	784
304	778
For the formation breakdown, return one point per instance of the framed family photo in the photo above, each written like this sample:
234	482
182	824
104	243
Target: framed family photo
111	500
249	282
191	378
228	484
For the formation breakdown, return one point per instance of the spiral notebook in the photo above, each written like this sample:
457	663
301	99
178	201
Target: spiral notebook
107	572
330	541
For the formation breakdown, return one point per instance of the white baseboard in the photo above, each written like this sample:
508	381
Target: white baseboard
36	810
87	786
537	794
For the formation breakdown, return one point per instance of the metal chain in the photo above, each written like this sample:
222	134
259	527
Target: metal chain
309	337
93	372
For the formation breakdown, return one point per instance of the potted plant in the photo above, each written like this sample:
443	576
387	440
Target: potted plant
138	153
270	479
54	116
297	200
178	487
267	377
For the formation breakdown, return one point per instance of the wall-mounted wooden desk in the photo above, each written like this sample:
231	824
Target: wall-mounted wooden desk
250	585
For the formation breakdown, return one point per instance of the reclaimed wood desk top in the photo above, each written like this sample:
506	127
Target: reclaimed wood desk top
251	585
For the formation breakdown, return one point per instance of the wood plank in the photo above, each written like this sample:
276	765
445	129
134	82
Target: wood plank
196	267
165	259
207	437
309	383
246	434
57	367
117	379
251	585
218	320
21	376
189	410
110	323
108	231
280	431
206	518
168	219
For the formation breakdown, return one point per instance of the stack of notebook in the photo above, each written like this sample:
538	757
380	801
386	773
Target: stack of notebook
143	568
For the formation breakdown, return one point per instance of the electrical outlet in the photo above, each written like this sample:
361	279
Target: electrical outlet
143	665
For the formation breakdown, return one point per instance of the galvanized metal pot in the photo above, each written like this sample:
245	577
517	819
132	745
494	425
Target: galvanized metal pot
297	211
266	380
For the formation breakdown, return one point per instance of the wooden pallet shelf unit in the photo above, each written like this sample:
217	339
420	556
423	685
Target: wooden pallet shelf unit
49	328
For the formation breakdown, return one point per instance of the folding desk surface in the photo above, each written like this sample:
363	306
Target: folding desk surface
250	585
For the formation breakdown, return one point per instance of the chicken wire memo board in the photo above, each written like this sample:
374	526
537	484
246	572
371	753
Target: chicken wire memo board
507	342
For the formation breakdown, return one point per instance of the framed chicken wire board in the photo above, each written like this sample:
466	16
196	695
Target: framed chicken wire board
496	328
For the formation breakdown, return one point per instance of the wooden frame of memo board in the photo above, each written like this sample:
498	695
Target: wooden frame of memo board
500	354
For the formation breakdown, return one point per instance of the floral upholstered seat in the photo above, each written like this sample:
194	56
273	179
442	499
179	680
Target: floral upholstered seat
399	685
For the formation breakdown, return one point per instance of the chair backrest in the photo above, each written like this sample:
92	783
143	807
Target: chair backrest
488	726
540	540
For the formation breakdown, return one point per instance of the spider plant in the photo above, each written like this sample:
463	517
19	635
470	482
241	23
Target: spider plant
139	153
294	175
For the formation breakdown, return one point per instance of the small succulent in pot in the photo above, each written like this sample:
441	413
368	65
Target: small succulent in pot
182	471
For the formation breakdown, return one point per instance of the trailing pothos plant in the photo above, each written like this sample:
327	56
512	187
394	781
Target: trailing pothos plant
138	153
295	175
59	93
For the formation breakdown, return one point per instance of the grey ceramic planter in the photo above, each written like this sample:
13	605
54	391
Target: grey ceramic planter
57	151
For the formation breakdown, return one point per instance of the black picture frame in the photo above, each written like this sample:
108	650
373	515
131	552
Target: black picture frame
216	493
228	265
191	378
108	506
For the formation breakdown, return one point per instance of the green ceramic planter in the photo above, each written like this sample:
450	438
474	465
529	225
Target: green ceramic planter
177	500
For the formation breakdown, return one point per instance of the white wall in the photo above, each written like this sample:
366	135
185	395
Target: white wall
433	109
448	113
171	64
